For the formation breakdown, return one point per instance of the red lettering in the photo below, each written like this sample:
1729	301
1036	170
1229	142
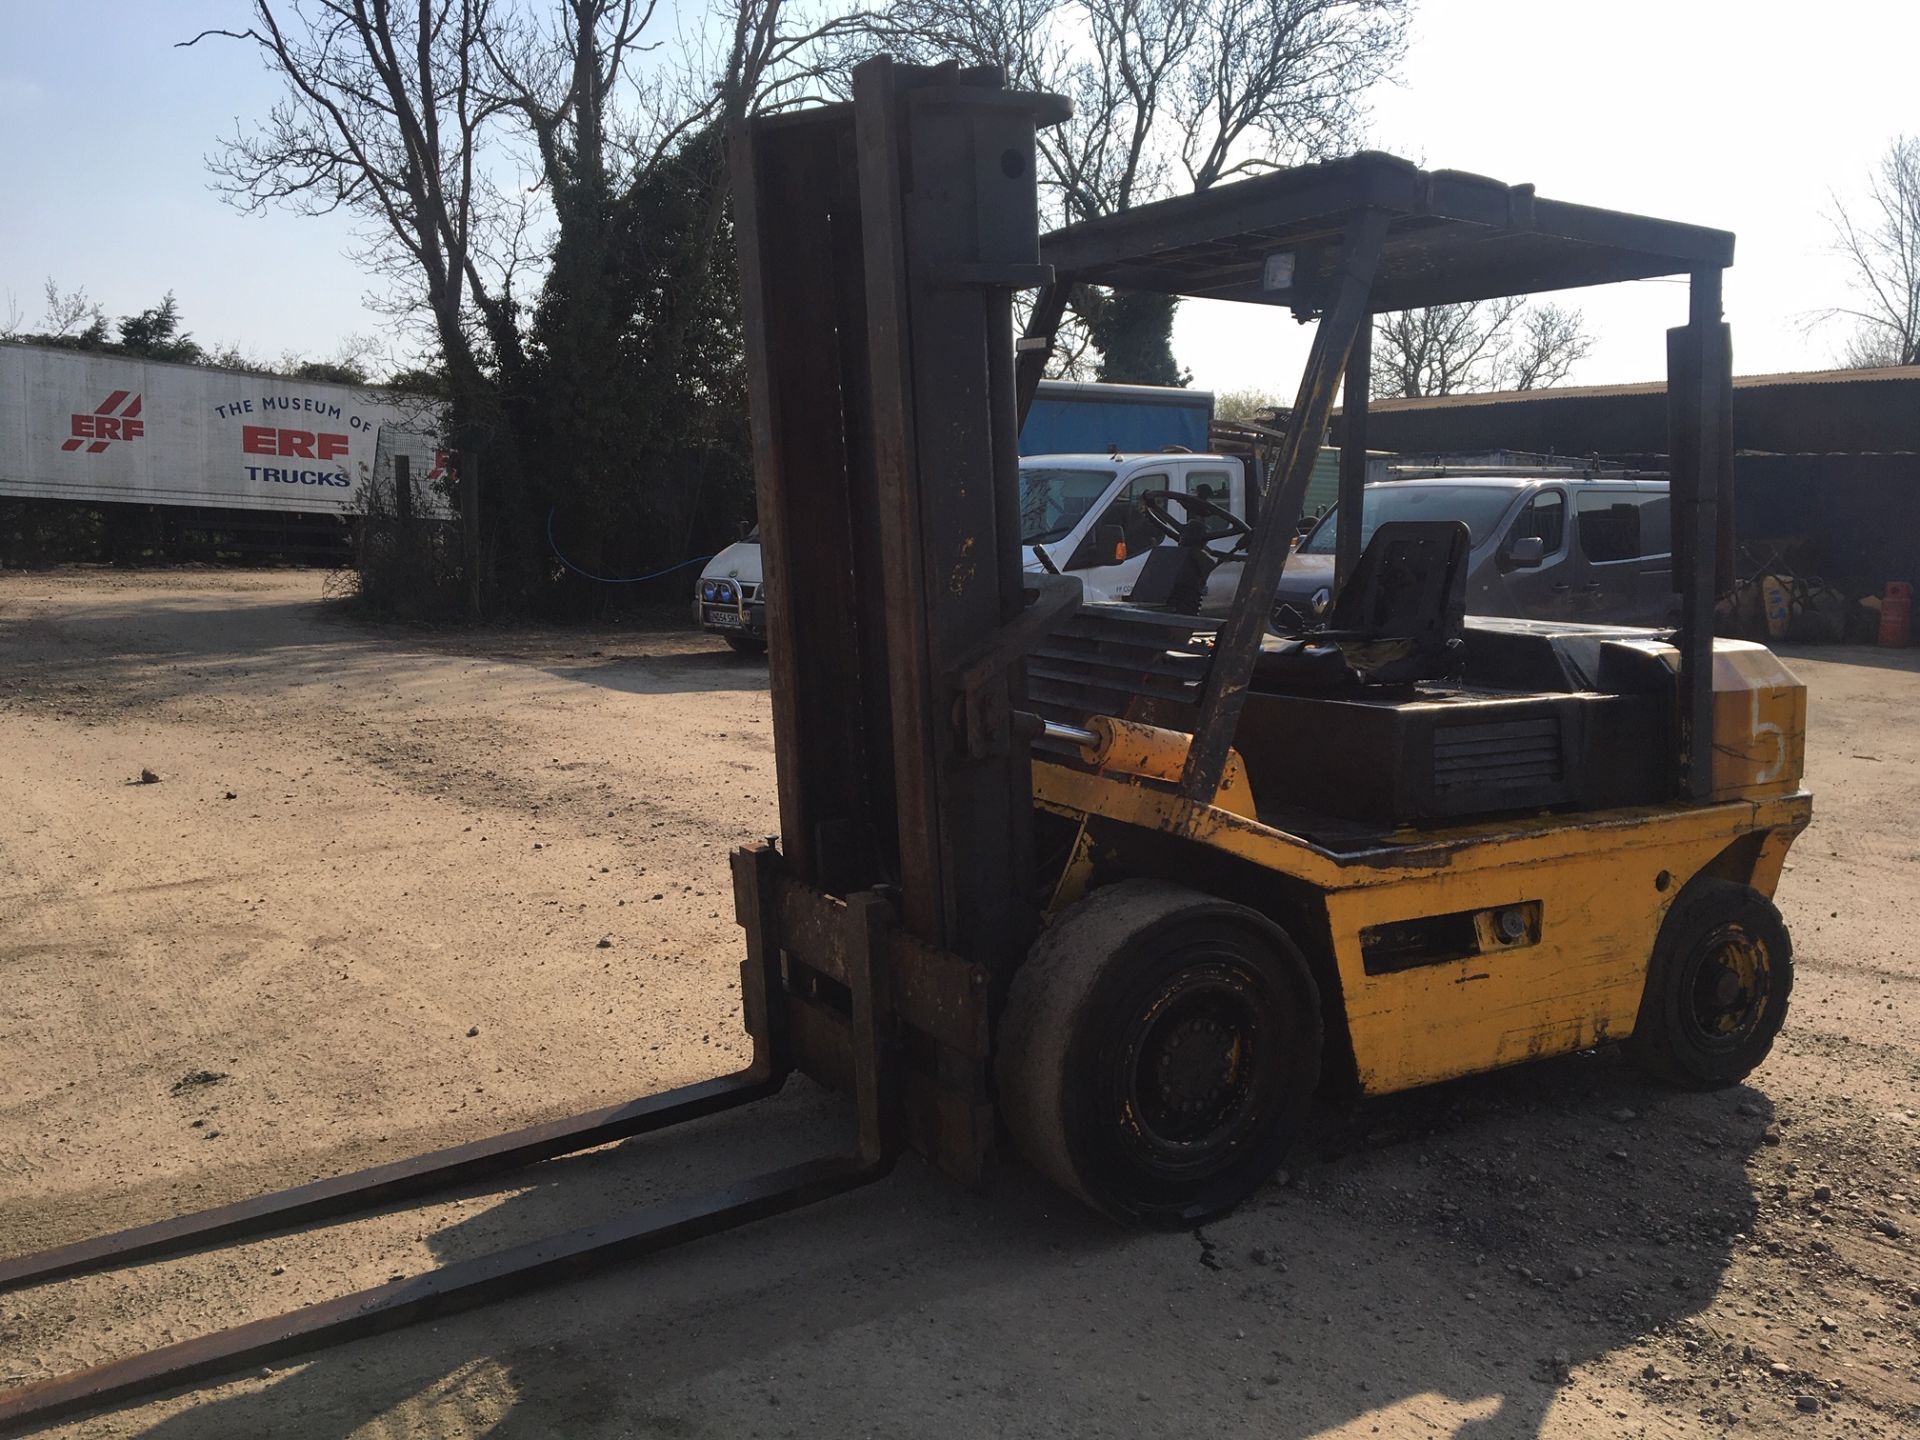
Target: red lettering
301	444
102	429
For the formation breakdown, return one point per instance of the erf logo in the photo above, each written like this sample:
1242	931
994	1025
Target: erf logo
103	427
292	444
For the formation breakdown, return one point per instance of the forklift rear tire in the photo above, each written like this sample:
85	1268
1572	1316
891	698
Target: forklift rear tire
1159	1052
1717	987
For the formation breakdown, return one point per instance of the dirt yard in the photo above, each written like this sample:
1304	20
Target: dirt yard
394	890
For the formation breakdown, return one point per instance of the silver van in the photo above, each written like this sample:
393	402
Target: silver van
1546	546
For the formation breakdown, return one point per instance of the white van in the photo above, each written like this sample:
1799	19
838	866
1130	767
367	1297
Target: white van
1083	512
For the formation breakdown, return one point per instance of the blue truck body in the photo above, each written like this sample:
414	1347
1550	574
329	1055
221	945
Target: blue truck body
1069	418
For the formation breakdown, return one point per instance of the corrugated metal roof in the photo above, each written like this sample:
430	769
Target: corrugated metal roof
1788	380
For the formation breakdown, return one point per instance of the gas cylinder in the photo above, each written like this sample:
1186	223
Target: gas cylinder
1896	613
1778	603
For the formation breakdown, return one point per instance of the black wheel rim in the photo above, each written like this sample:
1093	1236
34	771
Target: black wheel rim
1727	989
1193	1078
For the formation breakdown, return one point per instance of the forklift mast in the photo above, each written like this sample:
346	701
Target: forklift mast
880	244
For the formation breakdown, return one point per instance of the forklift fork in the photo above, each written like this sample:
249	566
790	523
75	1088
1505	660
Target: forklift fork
867	919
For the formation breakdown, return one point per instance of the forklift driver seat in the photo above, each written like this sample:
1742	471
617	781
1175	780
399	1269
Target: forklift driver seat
1175	576
1399	619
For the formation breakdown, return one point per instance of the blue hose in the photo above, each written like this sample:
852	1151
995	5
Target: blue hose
553	545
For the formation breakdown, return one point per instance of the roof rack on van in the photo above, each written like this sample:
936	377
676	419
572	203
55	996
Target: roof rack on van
1527	472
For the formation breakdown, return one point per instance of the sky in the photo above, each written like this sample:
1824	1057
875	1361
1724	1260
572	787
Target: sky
104	130
1745	116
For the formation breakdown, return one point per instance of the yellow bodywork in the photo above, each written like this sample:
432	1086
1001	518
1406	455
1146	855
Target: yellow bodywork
1582	895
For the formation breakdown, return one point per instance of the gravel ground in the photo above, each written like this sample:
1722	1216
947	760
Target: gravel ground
360	912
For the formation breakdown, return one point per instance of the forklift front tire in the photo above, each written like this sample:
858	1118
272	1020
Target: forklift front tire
1717	987
1159	1052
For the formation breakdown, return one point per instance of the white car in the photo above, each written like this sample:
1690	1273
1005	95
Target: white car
727	598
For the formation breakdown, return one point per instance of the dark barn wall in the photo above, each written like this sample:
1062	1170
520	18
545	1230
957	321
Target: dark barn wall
1876	412
1608	424
1841	472
1861	514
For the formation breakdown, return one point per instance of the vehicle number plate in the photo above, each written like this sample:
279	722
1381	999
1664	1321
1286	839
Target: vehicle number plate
726	619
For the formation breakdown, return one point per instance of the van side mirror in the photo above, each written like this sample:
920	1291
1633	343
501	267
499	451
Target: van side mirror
1109	544
1527	552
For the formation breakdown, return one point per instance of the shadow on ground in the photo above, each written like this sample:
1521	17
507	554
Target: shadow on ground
146	651
1438	1260
654	670
1879	657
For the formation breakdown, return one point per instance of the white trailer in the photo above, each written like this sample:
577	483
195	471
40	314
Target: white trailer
96	428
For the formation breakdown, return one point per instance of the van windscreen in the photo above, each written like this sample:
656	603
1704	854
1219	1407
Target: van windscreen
1053	498
1478	507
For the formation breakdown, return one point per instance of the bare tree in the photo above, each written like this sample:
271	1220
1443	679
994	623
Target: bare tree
1882	249
1549	342
1440	349
506	158
387	114
412	114
1168	95
1249	404
69	315
1503	344
1279	81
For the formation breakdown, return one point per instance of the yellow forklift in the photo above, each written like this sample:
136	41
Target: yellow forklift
1124	884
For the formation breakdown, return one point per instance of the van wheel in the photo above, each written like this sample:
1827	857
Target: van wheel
1717	987
745	644
1159	1052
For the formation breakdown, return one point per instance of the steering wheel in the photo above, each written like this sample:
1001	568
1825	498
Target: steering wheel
1198	508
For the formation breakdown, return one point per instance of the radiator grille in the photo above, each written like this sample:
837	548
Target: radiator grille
1105	658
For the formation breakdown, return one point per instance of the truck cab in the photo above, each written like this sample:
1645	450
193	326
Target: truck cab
1083	515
